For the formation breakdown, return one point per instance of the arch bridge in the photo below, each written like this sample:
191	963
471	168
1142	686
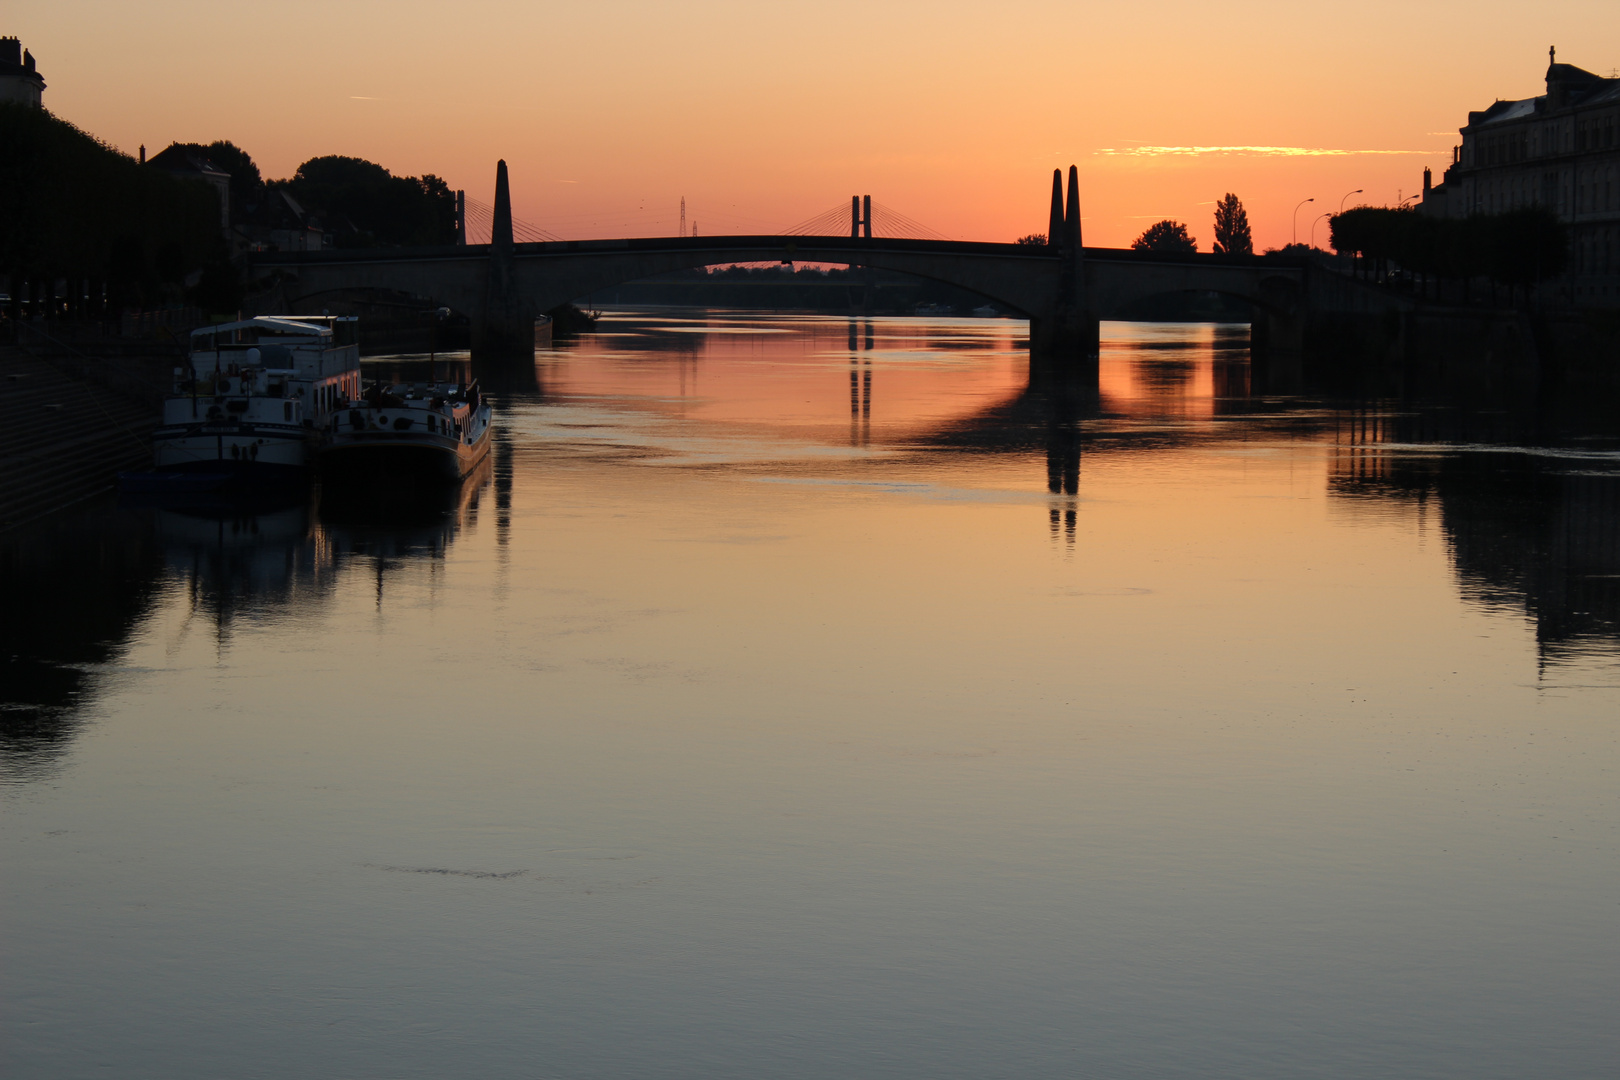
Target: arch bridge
1064	288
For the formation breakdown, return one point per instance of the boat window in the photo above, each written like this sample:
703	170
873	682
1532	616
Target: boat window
286	410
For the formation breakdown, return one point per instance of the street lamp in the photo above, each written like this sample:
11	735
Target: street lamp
1314	220
1302	202
1346	196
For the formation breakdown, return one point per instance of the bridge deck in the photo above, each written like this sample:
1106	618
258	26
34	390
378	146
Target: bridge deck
850	245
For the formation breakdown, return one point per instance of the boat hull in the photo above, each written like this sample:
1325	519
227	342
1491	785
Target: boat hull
243	451
377	455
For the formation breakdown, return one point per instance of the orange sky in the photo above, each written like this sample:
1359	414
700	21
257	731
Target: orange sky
764	114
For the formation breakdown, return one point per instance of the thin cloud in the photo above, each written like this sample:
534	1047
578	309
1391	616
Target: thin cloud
357	97
1248	151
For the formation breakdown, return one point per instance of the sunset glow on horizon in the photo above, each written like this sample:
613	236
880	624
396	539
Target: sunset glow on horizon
762	116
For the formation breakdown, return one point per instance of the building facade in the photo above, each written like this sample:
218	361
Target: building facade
20	83
1560	150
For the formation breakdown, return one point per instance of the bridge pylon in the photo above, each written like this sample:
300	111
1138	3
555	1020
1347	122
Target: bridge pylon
1064	337
505	327
1054	230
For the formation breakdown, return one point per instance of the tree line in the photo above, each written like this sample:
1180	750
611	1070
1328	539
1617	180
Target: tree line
358	203
74	208
1517	248
1232	233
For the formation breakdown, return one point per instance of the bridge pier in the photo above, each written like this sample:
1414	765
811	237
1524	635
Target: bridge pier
1064	341
1277	335
1277	353
504	329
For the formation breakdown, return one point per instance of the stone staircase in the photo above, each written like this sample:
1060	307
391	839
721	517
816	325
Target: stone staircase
62	439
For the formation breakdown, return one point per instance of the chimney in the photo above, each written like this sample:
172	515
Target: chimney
1428	180
10	50
28	60
143	153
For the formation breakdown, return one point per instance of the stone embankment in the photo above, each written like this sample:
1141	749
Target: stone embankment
66	434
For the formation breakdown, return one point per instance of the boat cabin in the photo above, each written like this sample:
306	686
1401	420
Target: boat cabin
310	365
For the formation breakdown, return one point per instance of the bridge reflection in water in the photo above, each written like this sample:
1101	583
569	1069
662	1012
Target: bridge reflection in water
928	385
1533	524
783	631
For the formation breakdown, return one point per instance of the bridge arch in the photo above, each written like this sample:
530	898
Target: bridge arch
853	282
1015	280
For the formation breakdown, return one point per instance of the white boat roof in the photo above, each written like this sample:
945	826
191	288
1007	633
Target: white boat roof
280	324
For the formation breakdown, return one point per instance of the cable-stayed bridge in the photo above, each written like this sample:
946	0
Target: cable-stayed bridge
1063	287
478	223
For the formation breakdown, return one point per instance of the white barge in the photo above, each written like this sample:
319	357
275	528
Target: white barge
256	396
417	431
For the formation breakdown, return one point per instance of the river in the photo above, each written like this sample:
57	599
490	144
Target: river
804	697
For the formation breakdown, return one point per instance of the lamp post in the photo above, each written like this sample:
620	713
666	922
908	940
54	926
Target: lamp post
1314	220
1346	195
1302	202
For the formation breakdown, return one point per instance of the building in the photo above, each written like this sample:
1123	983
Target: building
183	162
278	223
1560	150
19	82
262	219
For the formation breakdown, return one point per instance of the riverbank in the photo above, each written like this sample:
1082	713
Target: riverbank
1467	351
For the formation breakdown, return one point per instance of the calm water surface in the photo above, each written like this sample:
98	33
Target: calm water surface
800	698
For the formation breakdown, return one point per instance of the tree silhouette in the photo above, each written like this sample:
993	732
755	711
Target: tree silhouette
226	155
1166	235
1519	248
73	207
1034	238
1232	227
381	209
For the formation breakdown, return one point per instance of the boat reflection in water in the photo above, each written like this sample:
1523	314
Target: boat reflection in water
266	559
81	586
783	670
244	560
395	521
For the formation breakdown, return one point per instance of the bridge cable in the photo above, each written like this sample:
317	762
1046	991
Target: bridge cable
886	222
483	215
